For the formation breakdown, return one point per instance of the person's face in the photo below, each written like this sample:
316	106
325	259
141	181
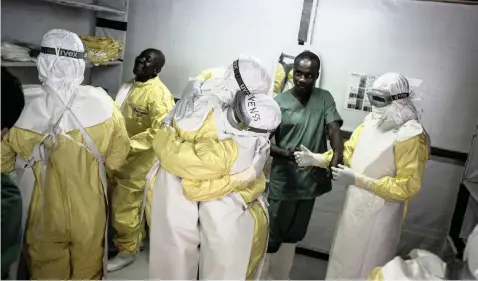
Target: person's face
146	65
305	75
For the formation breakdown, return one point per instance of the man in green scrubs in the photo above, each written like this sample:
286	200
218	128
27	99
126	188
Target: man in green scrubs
13	102
308	115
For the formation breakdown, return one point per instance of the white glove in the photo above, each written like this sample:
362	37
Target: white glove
190	94
343	175
346	176
244	178
306	158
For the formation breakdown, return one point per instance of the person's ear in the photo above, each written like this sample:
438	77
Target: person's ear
157	70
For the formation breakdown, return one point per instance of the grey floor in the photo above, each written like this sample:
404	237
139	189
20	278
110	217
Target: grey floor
305	268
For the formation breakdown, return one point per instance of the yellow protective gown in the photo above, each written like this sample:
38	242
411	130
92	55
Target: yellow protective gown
67	219
376	274
204	163
279	78
142	104
397	169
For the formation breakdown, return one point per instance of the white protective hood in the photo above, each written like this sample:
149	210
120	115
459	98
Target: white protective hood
400	114
219	91
61	77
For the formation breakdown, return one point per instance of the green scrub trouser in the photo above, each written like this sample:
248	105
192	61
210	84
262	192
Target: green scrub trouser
289	220
11	223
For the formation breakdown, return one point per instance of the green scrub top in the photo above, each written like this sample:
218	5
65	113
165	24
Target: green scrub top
11	223
302	125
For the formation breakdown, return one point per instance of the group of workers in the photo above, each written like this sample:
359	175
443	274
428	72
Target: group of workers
193	171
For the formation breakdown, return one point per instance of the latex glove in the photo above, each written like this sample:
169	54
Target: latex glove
242	179
190	93
261	155
343	175
305	158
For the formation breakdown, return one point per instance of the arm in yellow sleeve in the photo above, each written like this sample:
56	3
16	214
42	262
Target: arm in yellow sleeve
119	146
279	79
200	190
8	155
210	73
376	275
410	158
214	189
349	147
204	159
159	105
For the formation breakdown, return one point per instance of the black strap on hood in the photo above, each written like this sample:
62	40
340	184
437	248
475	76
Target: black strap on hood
63	53
237	75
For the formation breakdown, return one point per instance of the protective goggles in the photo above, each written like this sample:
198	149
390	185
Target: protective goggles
237	115
381	98
63	53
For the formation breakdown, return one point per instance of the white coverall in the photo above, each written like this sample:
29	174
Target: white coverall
208	178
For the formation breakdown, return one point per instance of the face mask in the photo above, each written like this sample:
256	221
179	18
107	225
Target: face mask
379	112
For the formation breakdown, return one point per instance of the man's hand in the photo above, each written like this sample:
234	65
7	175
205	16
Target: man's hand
284	153
337	160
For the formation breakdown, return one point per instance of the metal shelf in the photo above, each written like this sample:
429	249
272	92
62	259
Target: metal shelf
91	7
18	63
33	64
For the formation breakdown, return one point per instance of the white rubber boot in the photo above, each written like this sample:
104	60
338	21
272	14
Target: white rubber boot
282	261
266	268
120	261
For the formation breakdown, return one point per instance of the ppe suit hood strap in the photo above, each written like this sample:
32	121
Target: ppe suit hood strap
237	75
400	96
63	53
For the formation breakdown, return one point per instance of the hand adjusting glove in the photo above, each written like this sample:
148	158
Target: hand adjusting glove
343	175
346	176
305	158
190	93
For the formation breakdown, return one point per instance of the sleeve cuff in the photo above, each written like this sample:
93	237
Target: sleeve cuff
328	157
364	182
321	160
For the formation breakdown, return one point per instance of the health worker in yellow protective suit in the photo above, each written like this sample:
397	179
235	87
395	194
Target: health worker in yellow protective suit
384	163
143	101
208	192
424	265
65	138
